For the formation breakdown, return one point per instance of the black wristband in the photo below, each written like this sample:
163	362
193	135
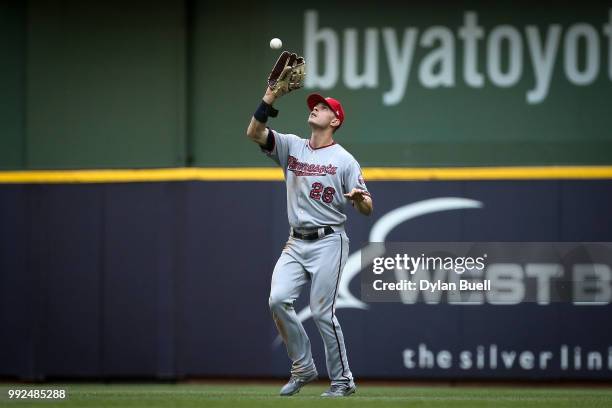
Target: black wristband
264	111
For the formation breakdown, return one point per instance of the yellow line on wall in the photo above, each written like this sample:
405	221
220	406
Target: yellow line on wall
489	173
275	174
142	175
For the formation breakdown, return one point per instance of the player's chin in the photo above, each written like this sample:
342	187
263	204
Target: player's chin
312	121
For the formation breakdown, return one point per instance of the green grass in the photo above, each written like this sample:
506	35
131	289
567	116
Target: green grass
265	395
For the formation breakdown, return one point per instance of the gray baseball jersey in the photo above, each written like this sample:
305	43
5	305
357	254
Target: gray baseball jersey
317	179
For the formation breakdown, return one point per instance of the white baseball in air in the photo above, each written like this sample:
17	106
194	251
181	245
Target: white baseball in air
276	43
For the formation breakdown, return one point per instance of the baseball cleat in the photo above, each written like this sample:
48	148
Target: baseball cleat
340	390
296	383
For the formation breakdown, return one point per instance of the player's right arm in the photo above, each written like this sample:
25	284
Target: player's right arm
287	75
257	130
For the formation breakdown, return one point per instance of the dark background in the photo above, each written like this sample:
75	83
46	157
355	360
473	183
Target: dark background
171	280
165	280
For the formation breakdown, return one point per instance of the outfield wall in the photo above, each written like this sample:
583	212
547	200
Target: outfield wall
171	280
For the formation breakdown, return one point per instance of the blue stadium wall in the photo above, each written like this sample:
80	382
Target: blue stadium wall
168	280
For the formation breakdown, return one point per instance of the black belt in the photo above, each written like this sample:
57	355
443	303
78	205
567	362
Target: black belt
313	234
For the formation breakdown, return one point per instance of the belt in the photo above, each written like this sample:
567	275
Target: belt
313	234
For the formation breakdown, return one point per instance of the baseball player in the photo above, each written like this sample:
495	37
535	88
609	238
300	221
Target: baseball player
321	178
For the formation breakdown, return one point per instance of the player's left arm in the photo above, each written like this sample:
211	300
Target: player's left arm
358	193
361	200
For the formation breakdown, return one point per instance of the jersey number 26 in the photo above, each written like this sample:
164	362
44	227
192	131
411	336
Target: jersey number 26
318	192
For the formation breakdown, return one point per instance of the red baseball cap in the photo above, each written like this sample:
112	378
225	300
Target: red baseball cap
333	104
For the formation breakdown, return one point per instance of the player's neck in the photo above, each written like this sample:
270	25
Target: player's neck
320	138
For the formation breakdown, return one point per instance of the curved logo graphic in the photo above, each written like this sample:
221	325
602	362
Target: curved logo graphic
379	233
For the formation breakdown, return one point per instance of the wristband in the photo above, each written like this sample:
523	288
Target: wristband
264	111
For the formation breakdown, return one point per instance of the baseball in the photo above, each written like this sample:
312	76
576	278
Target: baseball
276	43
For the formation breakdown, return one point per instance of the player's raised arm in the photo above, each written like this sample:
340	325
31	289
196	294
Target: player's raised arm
257	130
287	75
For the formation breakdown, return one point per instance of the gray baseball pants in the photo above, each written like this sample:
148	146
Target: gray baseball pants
320	261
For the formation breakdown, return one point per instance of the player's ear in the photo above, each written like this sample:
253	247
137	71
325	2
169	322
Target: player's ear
335	123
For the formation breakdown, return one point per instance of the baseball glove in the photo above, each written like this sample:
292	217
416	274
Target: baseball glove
288	74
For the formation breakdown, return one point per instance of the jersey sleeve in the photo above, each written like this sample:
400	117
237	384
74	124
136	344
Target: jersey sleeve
353	178
278	146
